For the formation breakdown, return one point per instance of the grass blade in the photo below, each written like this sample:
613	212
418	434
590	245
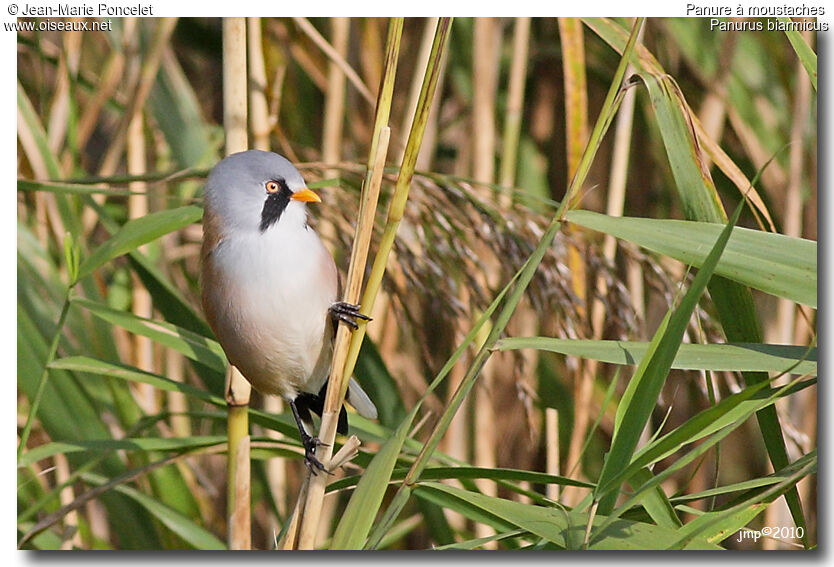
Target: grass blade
780	265
803	50
360	513
140	231
194	346
124	372
563	528
640	396
715	357
195	535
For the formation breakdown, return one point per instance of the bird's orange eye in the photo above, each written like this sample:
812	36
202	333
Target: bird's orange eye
272	186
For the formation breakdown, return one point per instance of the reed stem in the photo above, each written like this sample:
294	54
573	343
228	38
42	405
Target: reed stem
400	196
337	384
238	389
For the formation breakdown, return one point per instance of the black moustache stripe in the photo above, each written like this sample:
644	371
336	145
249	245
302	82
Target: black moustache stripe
275	205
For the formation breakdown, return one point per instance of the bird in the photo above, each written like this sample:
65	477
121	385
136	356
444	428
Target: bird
270	288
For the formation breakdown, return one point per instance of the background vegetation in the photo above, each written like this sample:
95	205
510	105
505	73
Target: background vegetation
121	416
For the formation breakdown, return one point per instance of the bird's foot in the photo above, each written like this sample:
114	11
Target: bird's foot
347	313
310	445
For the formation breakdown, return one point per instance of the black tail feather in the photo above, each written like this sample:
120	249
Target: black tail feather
306	402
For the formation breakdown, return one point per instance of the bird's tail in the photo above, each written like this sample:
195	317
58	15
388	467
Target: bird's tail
357	397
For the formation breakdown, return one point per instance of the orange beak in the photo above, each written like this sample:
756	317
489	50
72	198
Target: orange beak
306	195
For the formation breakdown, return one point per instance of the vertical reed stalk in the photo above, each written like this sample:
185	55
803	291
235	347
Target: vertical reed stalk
576	131
416	83
551	421
334	96
334	117
616	203
526	321
576	96
338	381
238	389
515	106
400	196
339	371
258	112
65	496
486	51
137	207
177	401
334	112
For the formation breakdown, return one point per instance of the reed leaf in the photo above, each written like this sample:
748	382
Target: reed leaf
640	396
734	302
195	347
124	372
755	357
140	231
804	51
780	265
557	525
195	535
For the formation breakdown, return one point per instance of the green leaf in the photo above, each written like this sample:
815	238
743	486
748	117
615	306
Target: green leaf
719	420
721	524
734	302
468	473
124	372
803	50
654	501
192	345
195	535
640	396
72	255
478	542
724	490
71	188
140	231
564	528
708	428
729	357
132	444
780	265
361	510
69	412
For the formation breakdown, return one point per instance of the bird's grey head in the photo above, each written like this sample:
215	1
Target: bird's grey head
251	190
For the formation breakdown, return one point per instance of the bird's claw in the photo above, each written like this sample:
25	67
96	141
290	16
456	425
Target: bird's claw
310	460
347	313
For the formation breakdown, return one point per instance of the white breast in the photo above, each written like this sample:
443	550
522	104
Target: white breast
276	289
